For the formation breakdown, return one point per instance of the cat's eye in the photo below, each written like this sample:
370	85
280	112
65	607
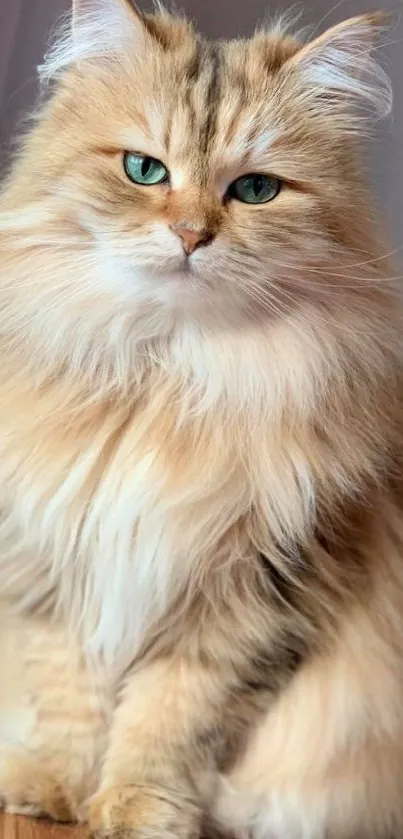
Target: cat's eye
144	170
255	188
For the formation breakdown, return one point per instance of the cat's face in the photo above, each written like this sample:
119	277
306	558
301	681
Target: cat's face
207	176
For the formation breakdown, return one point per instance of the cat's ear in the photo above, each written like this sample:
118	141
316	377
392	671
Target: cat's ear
338	67
99	30
115	17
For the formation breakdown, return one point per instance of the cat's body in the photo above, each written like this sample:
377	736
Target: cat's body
200	470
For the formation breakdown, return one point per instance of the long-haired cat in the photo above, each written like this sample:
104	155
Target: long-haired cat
201	427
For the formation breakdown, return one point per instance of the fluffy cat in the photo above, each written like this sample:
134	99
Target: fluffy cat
201	426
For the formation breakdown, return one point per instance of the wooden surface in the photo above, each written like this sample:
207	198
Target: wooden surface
18	827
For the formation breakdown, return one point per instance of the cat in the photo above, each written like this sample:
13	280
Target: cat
201	426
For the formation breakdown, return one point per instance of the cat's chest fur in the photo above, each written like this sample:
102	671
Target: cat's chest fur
120	507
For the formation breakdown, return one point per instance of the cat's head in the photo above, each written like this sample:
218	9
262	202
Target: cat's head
206	176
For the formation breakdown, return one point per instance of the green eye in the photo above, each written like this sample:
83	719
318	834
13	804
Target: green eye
144	170
255	189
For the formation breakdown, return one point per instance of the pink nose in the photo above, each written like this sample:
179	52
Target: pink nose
191	239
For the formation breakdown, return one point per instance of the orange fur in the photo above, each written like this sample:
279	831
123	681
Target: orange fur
201	510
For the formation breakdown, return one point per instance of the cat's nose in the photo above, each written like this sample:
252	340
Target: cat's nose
191	238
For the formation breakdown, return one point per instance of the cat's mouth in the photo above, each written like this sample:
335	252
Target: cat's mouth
186	268
185	271
186	277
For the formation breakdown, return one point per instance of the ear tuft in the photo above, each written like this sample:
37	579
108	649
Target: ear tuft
339	68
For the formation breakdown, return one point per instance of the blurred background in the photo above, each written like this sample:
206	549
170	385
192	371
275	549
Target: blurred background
25	27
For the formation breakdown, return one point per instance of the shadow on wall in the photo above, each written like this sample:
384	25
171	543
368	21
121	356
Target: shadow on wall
26	24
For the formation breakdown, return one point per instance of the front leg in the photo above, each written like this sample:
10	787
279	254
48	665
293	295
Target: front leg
157	766
178	711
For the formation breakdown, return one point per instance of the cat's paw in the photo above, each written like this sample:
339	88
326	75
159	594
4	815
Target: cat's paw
136	812
27	789
37	801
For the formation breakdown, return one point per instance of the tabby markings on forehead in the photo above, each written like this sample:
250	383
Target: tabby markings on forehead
212	99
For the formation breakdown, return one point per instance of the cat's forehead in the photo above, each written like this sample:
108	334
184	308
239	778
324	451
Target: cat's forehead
211	102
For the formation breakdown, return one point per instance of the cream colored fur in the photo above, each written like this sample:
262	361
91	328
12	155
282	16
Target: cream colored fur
201	512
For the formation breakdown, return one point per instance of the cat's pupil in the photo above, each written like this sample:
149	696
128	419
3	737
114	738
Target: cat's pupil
145	166
258	185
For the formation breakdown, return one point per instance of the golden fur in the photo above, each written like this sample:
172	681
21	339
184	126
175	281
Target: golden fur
201	506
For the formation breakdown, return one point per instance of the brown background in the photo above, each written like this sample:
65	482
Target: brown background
25	26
